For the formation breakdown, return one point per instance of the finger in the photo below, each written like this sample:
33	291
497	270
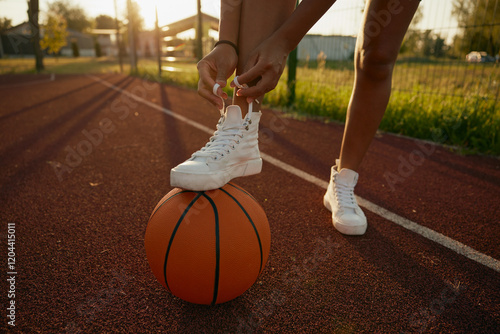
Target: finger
206	73
265	85
247	77
208	95
251	71
217	91
221	78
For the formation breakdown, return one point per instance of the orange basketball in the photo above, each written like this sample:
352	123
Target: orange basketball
208	247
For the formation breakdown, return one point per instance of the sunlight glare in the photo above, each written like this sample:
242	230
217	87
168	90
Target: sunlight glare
168	11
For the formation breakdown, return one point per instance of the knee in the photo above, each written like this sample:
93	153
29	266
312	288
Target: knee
376	65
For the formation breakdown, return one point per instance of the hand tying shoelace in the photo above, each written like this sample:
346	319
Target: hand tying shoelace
227	135
232	151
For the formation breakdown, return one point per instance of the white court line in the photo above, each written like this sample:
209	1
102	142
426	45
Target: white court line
427	233
29	83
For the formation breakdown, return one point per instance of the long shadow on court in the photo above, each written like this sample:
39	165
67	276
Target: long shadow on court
279	142
10	153
39	104
58	145
177	151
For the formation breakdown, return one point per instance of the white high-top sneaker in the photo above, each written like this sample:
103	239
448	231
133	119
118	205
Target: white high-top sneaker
347	216
231	152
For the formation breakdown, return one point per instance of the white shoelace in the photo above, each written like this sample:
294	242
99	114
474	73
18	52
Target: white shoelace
221	143
345	196
224	139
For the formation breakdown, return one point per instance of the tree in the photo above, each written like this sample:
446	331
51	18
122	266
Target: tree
55	34
5	24
105	22
137	20
33	14
413	35
75	16
479	23
423	43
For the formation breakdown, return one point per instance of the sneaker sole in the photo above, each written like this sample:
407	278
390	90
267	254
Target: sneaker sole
214	180
342	228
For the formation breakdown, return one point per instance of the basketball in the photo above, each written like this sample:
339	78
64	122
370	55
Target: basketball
208	247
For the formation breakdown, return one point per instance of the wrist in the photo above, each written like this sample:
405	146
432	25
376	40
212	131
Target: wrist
228	43
280	40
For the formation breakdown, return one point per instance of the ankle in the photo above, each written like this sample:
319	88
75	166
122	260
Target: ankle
347	165
244	105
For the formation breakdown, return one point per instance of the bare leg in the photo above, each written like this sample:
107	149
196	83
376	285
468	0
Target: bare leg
384	26
259	19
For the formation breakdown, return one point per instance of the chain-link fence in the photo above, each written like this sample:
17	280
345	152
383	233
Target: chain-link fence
450	51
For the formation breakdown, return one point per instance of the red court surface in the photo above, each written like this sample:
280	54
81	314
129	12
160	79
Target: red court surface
78	210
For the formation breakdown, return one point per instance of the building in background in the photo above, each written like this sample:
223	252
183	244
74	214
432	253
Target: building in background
179	37
84	42
178	42
107	41
332	47
16	41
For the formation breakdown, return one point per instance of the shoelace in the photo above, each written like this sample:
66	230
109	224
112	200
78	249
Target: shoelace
223	140
221	143
345	195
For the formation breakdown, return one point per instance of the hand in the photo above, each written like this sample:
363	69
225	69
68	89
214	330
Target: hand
265	66
216	67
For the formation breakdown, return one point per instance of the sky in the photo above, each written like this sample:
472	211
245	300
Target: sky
342	19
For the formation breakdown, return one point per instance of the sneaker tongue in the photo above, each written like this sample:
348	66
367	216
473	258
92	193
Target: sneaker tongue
348	177
233	118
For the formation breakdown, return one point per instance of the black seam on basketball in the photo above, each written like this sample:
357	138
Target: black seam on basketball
251	222
165	201
242	190
173	235
217	249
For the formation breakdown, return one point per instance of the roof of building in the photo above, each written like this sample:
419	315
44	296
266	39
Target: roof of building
175	28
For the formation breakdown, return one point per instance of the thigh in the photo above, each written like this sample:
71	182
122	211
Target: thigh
385	23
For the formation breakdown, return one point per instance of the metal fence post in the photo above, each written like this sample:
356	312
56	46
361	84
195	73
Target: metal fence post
158	43
292	73
199	32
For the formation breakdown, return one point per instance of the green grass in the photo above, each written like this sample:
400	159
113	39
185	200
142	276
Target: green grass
449	103
452	104
62	65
